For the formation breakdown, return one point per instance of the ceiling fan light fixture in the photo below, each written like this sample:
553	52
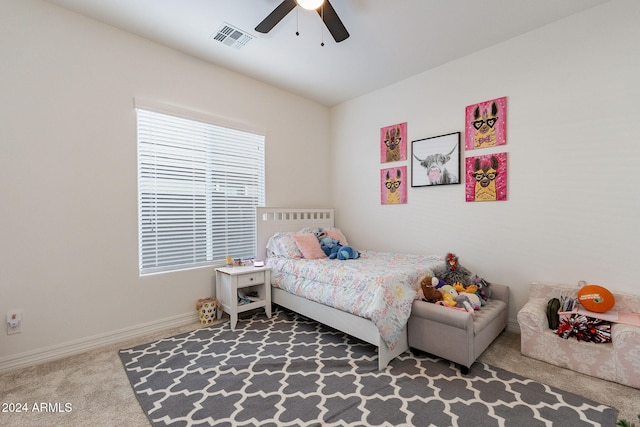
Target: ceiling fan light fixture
323	8
310	4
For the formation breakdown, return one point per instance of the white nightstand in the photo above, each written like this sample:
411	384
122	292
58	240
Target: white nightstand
249	279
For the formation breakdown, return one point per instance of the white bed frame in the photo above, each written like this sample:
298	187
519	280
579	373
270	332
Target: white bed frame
273	220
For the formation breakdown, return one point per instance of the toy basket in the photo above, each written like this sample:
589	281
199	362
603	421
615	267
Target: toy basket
208	310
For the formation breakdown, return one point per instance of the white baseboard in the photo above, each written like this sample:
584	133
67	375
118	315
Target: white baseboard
59	351
513	326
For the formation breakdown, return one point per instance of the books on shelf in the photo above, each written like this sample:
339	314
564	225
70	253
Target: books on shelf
247	297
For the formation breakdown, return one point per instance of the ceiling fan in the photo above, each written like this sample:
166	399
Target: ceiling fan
324	9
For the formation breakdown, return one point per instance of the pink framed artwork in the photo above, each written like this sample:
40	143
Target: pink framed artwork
486	178
393	143
486	124
393	185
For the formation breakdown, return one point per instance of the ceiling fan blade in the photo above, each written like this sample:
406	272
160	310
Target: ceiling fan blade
276	16
333	22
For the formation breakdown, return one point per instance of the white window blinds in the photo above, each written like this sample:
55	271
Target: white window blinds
198	187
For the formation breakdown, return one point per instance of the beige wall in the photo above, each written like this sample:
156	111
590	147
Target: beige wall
573	155
68	217
68	231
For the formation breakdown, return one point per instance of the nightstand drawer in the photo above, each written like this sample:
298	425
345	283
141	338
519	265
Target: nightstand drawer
256	278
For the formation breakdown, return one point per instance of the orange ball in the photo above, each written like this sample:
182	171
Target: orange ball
596	298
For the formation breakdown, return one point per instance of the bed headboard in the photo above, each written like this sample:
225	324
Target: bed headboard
273	220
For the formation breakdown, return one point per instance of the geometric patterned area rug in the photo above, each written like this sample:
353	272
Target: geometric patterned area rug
293	371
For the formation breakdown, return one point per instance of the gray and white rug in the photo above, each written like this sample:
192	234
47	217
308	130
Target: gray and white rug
292	371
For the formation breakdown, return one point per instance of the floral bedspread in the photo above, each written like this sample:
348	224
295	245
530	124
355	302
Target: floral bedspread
379	286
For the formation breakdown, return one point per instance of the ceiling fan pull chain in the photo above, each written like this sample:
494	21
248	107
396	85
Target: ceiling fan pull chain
297	27
322	25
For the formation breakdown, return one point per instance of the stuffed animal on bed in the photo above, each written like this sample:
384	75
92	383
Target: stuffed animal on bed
327	244
333	248
345	252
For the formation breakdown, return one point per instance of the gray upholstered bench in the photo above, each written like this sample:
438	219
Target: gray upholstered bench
457	335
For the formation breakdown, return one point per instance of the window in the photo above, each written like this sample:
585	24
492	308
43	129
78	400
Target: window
198	187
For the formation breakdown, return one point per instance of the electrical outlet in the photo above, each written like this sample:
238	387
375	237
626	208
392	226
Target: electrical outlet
14	322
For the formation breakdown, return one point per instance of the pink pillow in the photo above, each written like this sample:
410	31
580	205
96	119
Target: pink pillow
309	246
335	233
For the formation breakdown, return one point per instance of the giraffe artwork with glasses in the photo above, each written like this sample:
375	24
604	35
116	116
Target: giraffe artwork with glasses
486	178
393	188
393	143
486	124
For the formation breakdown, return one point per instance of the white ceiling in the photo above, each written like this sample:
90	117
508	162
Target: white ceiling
390	40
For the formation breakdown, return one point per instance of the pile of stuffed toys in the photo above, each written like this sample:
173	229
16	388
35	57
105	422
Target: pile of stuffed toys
454	286
333	248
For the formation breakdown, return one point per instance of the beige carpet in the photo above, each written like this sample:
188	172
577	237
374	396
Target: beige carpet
97	390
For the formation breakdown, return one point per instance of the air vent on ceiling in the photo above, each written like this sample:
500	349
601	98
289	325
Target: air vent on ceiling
232	36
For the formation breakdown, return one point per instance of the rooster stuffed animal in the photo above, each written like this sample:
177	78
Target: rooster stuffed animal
452	272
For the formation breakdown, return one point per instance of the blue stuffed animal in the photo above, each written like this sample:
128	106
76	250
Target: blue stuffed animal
346	252
333	248
328	245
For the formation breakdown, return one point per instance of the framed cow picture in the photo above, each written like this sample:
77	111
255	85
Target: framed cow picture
436	160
